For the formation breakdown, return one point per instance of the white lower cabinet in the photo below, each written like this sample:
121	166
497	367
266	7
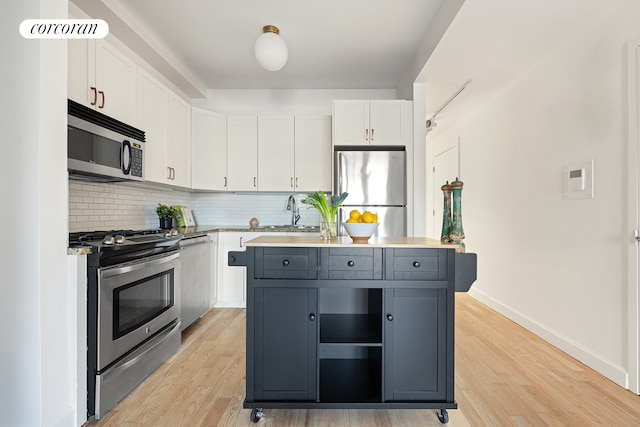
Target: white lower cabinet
232	280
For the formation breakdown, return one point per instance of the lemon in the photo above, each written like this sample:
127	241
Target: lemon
351	221
368	217
354	214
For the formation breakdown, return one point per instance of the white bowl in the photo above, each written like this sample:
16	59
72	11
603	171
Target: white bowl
360	232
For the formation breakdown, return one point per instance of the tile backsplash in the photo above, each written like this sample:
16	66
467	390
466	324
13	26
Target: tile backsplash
98	206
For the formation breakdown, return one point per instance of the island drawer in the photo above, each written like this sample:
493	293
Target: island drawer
416	264
286	263
351	263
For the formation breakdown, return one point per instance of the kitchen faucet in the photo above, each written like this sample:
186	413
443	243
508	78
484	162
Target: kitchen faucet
291	206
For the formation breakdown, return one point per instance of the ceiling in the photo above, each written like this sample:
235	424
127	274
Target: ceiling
352	44
337	44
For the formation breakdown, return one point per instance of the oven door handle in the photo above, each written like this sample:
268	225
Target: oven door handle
144	349
134	266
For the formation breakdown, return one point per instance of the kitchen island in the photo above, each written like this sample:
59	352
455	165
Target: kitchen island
333	324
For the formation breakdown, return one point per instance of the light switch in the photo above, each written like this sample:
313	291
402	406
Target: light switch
578	180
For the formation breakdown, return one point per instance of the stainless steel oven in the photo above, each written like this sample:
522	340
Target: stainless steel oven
136	300
133	310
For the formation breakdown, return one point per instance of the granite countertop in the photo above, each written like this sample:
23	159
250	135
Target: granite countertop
344	241
201	230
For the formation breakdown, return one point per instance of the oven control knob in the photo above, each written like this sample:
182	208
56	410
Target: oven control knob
119	239
108	240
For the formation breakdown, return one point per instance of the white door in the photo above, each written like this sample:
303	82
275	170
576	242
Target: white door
446	167
312	153
351	122
275	153
242	153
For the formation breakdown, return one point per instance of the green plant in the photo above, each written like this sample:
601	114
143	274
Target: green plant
327	207
164	211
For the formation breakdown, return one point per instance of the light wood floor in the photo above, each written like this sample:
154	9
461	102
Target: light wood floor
505	376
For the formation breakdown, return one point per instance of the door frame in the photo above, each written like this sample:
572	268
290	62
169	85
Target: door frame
633	218
434	150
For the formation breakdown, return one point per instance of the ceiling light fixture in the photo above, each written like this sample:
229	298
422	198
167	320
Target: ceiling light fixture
270	49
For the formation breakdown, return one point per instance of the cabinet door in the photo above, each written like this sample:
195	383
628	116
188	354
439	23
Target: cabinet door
351	122
275	153
242	153
285	343
116	77
153	119
208	150
312	153
179	146
79	78
232	281
390	122
415	345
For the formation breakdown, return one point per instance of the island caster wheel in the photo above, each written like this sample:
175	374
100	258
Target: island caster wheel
256	414
443	416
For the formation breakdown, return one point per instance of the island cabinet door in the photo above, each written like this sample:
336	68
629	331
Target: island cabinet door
285	344
415	345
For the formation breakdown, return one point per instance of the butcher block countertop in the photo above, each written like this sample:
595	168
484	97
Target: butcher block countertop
345	241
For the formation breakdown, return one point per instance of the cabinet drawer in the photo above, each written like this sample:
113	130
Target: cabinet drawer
362	263
286	263
416	264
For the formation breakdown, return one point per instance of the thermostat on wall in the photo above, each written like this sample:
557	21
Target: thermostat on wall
578	180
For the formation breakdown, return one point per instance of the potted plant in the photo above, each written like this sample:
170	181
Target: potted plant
328	208
166	215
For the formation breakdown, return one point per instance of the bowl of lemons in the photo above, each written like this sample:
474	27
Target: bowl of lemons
361	226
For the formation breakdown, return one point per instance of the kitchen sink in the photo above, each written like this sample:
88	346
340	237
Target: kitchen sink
289	226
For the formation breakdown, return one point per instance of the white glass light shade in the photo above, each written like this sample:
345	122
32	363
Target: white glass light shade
271	51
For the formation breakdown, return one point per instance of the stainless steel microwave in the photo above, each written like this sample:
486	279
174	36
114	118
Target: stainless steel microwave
103	149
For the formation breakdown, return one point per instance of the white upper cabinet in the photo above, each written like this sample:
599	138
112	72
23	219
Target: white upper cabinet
312	153
276	153
102	78
242	153
179	144
376	122
166	120
208	150
153	119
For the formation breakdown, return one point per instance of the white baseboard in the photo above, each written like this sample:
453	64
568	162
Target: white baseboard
230	304
615	373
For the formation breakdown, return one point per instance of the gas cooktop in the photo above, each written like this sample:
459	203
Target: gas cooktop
114	238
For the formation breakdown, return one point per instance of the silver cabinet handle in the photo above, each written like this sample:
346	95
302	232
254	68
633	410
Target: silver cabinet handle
255	181
225	181
372	134
240	241
366	134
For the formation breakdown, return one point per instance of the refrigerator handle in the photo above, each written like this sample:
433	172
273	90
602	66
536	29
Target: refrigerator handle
339	174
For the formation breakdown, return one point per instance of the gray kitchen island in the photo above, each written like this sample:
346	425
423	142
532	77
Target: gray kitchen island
333	324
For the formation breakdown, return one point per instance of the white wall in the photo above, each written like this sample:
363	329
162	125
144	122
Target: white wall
557	267
37	384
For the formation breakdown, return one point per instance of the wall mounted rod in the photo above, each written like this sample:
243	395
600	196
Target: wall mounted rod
448	101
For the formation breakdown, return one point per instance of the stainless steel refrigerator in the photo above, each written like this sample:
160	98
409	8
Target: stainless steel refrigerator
376	180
